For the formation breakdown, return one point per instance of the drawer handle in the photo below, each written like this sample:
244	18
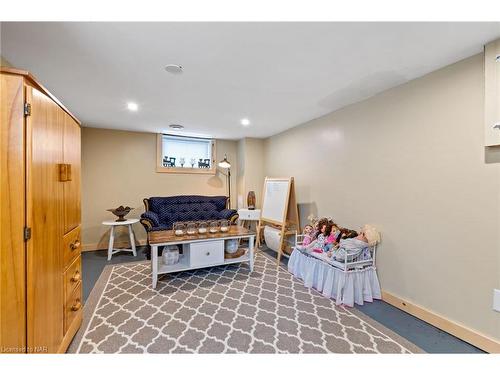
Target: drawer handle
76	277
75	245
208	253
77	306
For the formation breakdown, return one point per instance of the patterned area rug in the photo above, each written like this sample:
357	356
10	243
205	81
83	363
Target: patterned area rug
223	310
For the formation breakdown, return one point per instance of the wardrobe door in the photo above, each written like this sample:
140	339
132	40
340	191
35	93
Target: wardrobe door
45	129
71	187
12	254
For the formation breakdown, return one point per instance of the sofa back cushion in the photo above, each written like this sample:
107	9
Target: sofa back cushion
186	208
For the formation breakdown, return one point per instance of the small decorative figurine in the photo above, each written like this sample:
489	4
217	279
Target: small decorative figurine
204	163
182	161
193	162
121	212
168	161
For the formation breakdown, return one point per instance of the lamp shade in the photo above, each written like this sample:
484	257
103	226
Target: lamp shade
225	163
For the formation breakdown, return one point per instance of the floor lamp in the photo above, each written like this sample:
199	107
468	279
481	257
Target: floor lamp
225	164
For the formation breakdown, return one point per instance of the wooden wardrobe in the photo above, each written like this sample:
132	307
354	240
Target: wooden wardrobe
40	274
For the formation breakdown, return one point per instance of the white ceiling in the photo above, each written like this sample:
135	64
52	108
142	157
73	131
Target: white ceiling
278	75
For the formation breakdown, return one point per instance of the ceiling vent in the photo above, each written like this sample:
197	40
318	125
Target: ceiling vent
174	69
176	127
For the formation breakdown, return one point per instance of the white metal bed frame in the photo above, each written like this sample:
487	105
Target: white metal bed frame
348	265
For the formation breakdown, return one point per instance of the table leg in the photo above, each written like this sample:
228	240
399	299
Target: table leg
154	265
111	242
259	235
132	239
250	250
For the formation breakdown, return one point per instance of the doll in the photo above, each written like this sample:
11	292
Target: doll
350	248
332	238
319	225
308	235
323	231
347	233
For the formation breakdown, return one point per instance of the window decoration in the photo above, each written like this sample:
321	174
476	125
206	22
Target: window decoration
179	154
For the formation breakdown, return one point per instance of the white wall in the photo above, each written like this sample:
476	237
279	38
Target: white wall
411	161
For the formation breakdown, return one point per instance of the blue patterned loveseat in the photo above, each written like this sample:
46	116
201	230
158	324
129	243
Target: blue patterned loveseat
162	212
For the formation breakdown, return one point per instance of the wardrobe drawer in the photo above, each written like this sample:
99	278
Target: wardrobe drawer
206	253
72	276
72	246
73	306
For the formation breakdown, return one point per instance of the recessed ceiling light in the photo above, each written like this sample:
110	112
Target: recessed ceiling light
174	68
132	106
245	122
176	127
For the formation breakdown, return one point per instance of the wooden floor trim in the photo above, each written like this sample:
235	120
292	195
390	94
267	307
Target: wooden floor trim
466	334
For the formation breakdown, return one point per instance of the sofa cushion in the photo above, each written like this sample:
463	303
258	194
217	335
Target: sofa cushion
187	203
165	216
188	208
195	215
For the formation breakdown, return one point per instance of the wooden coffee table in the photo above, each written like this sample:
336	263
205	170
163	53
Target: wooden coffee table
199	251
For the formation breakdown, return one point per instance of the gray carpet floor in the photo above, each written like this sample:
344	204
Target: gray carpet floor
425	336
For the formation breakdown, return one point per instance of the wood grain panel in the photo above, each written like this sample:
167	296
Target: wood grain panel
72	188
72	246
12	206
163	236
72	276
73	306
31	80
45	318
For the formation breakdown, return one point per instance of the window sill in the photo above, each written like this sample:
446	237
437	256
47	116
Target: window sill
211	171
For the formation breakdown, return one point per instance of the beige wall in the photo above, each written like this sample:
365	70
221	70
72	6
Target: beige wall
251	171
4	62
411	161
241	187
118	168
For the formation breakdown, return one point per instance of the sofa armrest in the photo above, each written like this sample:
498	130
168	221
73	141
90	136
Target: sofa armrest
231	215
149	220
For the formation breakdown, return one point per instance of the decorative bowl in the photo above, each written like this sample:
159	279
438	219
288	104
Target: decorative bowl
121	212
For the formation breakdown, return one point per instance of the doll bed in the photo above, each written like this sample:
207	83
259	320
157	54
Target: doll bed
351	281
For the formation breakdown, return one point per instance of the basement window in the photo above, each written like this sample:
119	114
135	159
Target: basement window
179	154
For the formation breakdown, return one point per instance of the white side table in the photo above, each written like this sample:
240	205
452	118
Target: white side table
247	216
131	235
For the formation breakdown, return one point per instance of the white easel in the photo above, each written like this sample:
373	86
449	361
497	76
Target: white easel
279	209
